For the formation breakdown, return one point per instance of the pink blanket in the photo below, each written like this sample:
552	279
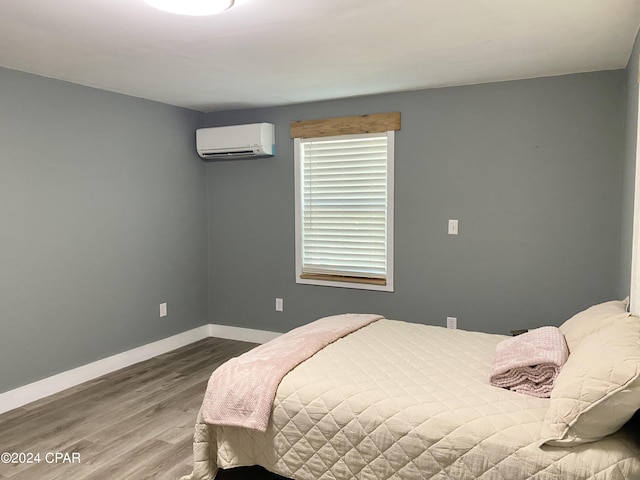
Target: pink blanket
240	392
530	363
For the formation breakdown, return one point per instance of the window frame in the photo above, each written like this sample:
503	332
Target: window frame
634	294
364	283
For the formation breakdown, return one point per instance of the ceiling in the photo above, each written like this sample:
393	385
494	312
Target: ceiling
277	52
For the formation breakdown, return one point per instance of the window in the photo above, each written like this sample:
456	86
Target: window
344	210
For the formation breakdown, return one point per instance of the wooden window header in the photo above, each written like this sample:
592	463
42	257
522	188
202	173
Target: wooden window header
329	127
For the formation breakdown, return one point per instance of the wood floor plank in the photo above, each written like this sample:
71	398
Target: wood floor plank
161	465
124	466
134	423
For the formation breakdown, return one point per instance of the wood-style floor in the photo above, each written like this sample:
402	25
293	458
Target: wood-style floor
136	423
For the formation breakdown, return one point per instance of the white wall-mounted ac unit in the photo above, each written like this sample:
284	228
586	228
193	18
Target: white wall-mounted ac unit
238	141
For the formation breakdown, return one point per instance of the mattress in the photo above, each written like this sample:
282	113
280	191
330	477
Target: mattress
397	400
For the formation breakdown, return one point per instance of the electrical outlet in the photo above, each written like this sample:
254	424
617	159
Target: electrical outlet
279	305
452	322
163	310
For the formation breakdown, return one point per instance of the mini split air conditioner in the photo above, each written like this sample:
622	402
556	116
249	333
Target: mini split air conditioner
238	141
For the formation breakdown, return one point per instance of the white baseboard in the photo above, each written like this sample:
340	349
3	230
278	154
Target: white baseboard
242	334
48	386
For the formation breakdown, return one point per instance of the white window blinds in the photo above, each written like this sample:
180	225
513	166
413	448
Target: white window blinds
344	191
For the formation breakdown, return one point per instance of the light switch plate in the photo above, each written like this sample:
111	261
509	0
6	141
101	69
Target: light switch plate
453	227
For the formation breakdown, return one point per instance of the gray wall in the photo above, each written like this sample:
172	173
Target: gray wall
102	218
104	211
629	169
532	170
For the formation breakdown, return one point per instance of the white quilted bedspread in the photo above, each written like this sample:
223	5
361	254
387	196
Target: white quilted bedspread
397	400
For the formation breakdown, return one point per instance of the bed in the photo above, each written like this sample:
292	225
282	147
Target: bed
397	400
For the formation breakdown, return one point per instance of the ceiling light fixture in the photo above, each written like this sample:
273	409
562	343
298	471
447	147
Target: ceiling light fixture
191	7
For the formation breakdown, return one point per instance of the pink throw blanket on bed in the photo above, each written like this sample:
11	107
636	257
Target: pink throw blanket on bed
529	363
240	392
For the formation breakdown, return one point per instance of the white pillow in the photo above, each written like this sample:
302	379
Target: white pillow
598	389
594	318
